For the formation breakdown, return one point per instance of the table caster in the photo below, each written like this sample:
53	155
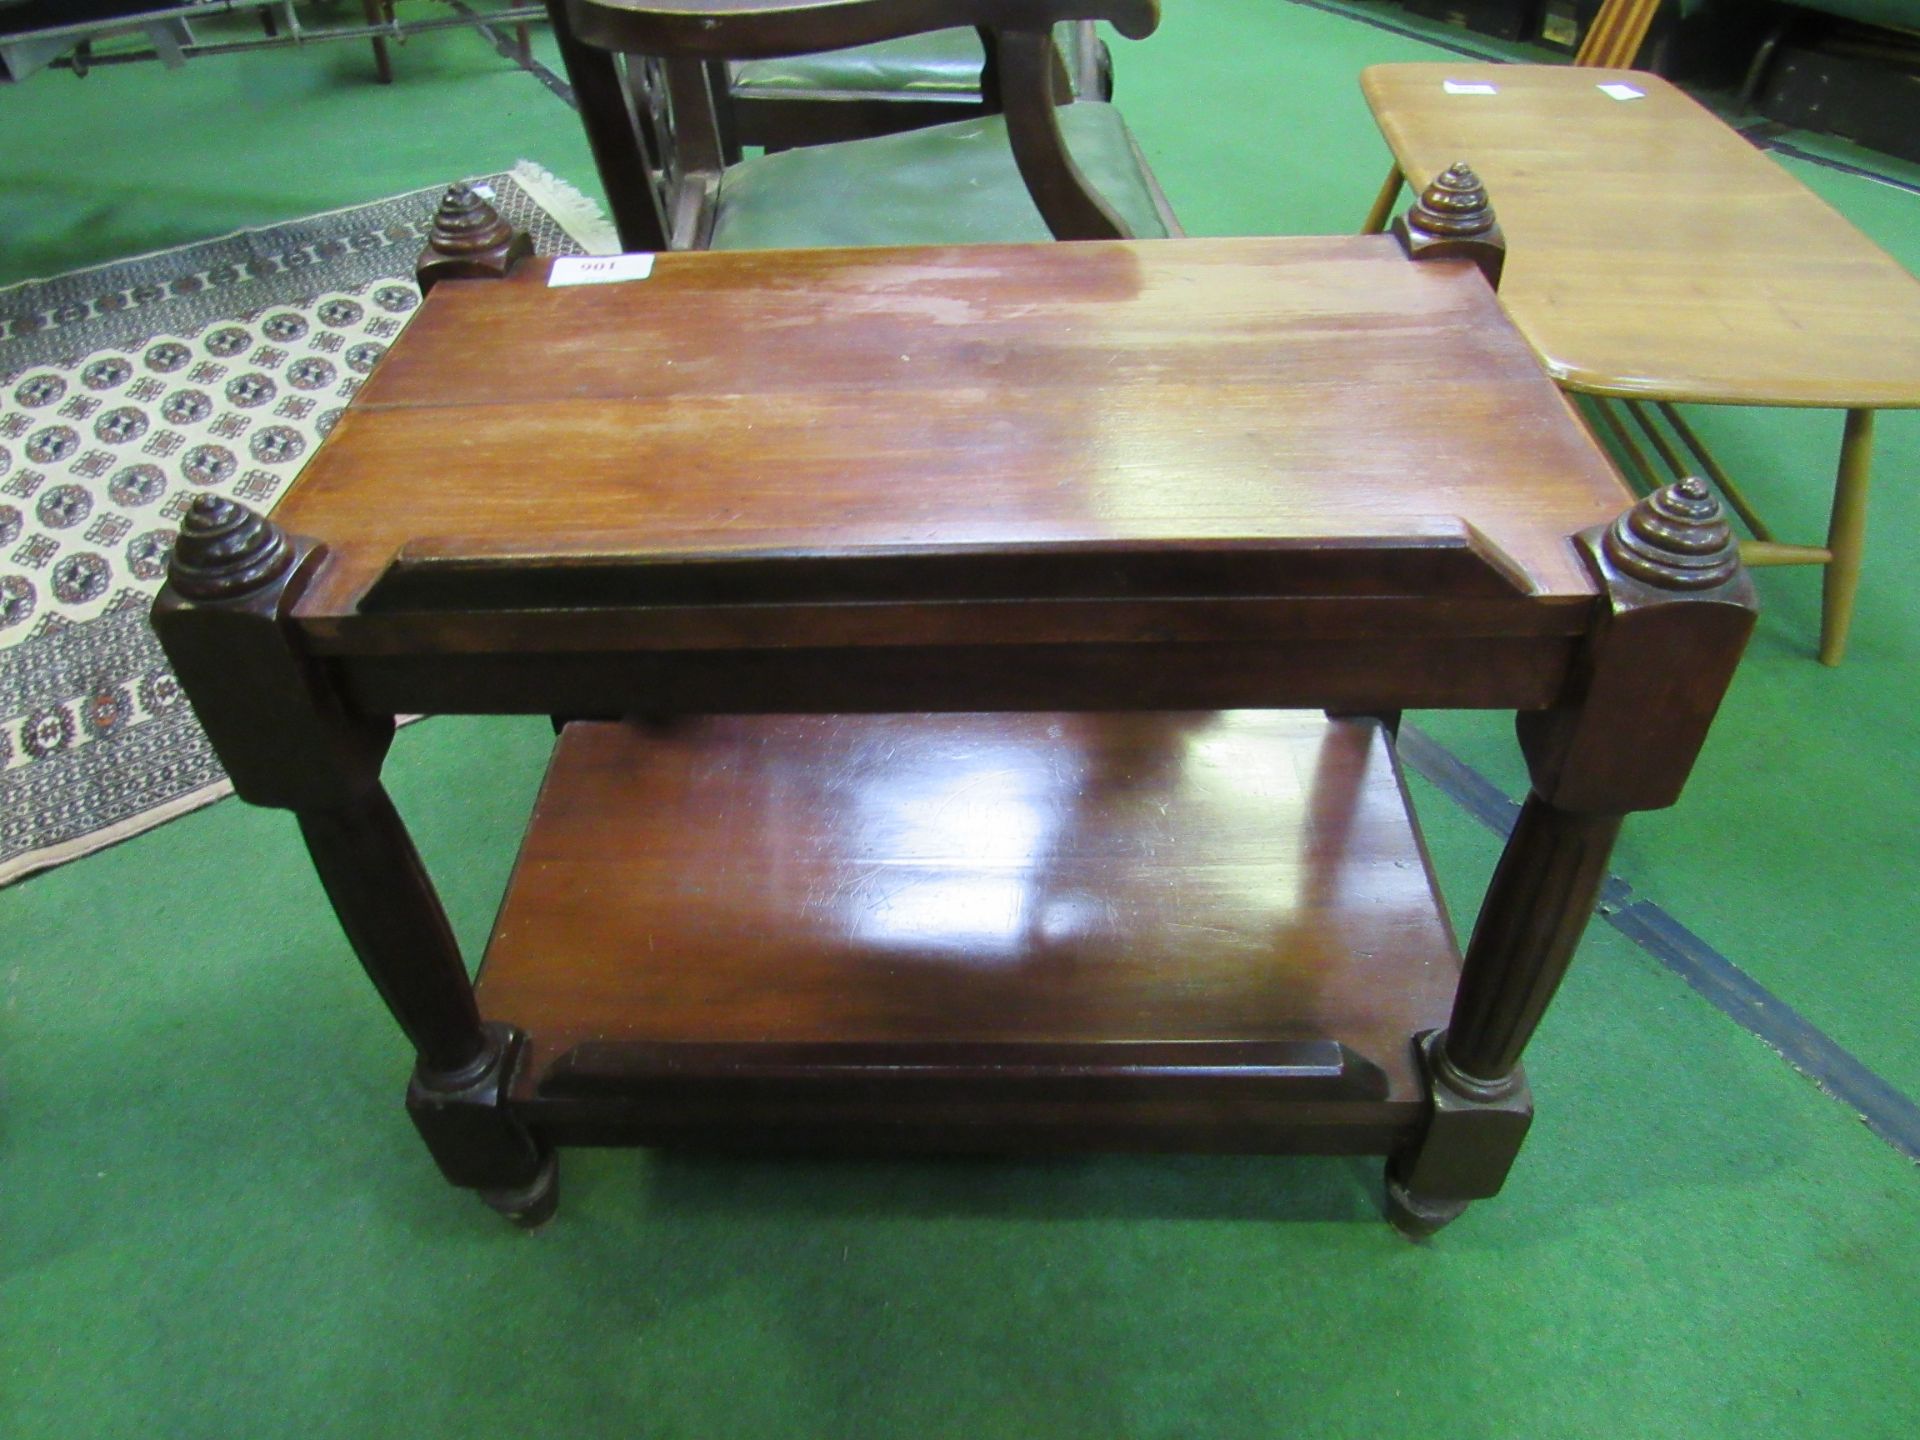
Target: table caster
1418	1216
531	1205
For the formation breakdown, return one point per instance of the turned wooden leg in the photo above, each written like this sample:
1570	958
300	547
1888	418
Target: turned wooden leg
457	1098
1383	203
382	61
289	741
1536	909
1846	536
1676	610
385	903
1535	912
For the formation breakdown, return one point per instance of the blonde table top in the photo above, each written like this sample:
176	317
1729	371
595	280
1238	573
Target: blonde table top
1651	250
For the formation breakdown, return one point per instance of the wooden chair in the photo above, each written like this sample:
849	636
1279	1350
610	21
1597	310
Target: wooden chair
651	80
376	13
1613	42
893	85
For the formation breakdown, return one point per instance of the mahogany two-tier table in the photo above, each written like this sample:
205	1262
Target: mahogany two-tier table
980	669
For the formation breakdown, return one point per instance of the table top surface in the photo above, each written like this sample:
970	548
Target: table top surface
1162	394
1651	250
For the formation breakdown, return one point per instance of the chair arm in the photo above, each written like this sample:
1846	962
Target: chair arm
755	29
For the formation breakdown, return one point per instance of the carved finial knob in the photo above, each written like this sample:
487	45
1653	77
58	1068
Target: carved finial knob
465	224
1452	220
1676	538
468	240
1454	204
225	550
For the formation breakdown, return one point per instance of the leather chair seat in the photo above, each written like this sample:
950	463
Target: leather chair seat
940	62
901	189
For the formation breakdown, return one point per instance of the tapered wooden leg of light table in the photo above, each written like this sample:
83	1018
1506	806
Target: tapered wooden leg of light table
1382	210
1846	536
1846	530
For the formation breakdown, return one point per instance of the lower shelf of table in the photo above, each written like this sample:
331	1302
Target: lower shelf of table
1195	931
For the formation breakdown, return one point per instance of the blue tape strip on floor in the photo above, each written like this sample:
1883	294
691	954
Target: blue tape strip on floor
1887	1110
1845	167
1460	47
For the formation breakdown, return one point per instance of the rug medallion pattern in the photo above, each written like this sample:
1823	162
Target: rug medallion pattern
124	392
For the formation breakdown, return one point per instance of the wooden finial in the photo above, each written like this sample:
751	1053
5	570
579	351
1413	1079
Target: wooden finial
226	550
1452	219
469	240
1675	539
1454	204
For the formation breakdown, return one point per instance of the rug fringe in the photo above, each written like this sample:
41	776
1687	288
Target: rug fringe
33	862
572	208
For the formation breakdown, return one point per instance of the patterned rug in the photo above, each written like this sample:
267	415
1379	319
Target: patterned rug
125	391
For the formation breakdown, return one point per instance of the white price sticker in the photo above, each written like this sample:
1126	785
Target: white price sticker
1468	87
1622	92
599	269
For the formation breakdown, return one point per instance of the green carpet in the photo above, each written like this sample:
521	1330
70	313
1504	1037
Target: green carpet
135	158
215	1220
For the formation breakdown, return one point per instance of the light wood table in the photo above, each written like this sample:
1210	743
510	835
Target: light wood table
1655	255
962	590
